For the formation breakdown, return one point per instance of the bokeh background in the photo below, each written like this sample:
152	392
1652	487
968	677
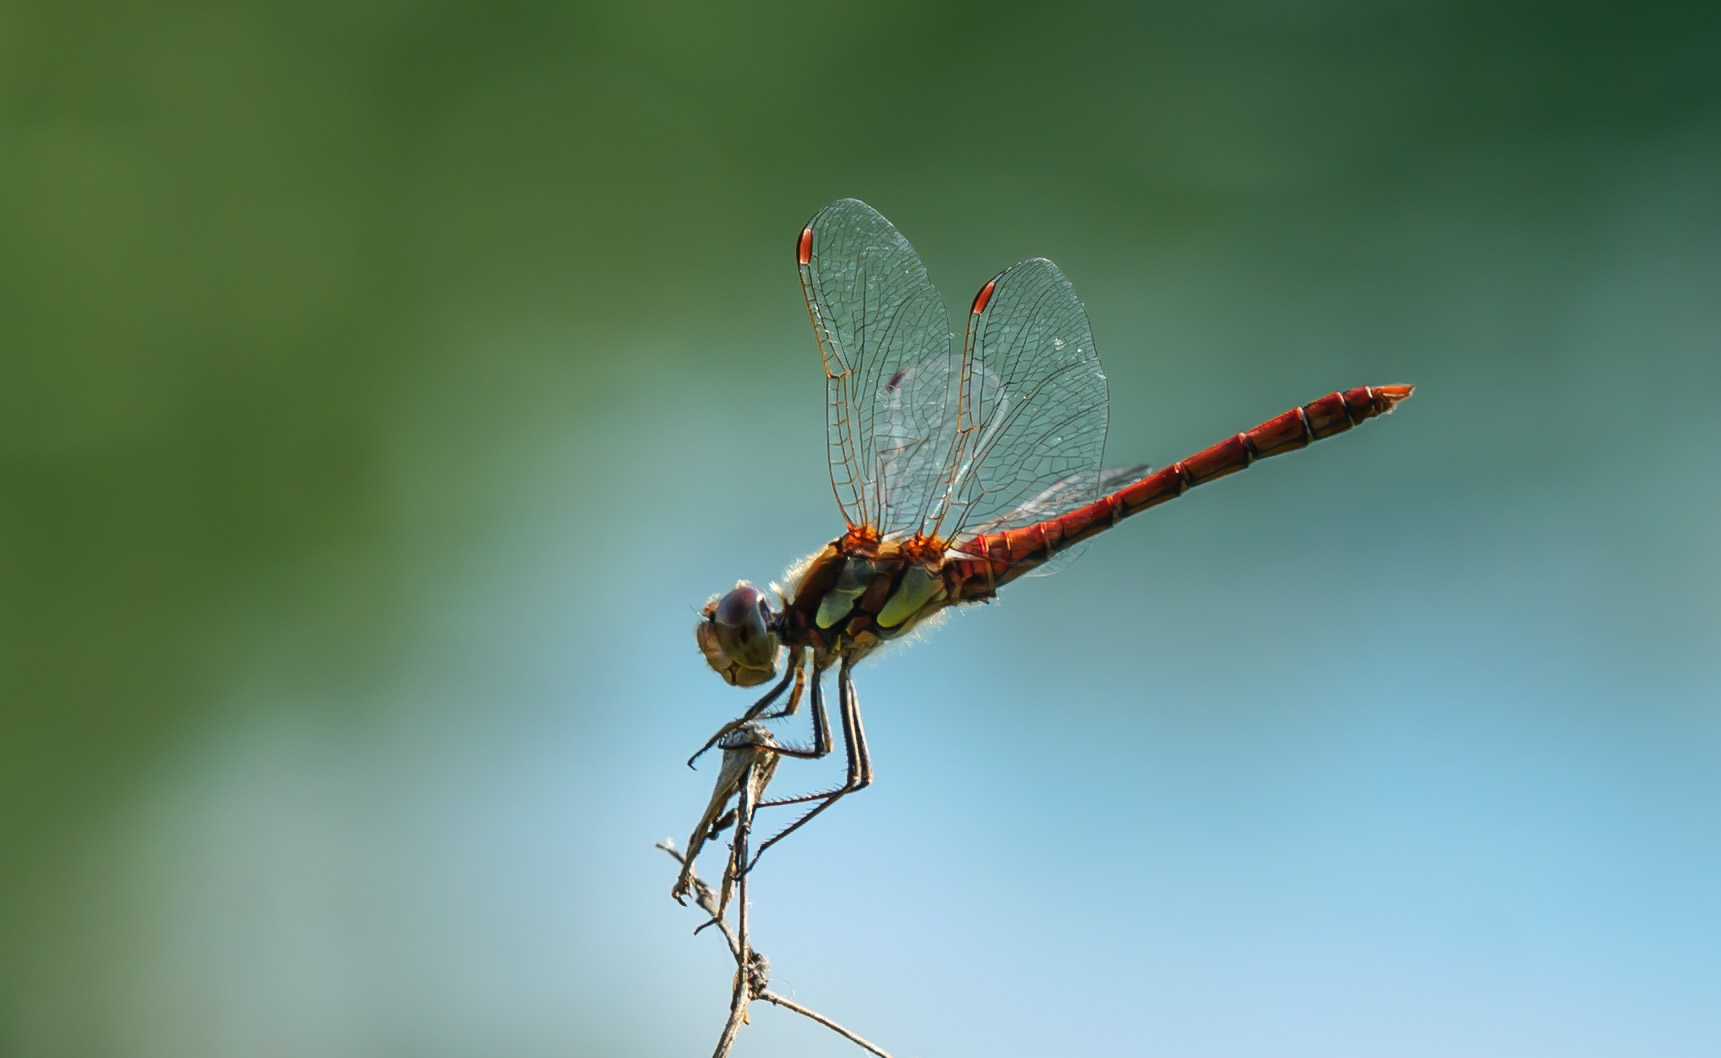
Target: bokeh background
385	384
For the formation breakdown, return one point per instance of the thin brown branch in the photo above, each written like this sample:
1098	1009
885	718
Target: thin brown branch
706	899
747	761
744	778
788	1004
748	785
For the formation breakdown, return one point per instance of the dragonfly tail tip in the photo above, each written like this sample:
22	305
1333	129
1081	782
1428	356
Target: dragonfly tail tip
1388	396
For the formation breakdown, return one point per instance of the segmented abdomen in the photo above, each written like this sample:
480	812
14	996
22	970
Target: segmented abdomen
1003	556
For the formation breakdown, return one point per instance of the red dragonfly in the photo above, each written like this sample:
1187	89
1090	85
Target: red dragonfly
956	472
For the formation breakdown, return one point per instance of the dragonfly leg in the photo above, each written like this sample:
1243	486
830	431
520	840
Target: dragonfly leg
859	761
722	823
764	753
821	746
794	701
796	673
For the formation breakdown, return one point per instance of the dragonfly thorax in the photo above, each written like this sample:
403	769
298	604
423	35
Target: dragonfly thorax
855	594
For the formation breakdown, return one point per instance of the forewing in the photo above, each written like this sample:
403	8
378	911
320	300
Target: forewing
890	366
1033	405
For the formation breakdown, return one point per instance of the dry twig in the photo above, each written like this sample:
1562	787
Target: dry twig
748	764
759	967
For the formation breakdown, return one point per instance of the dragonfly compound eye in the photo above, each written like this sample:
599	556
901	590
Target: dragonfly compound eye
737	636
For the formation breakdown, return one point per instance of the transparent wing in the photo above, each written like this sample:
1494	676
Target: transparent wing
1061	496
889	367
1033	406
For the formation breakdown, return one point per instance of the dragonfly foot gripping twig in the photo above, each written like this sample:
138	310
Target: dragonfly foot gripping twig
749	760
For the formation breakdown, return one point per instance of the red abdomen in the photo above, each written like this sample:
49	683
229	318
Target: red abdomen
1001	557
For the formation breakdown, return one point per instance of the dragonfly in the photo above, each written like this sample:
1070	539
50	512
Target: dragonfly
957	471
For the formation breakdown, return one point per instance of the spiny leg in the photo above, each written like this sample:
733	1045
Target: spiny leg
794	702
821	746
859	761
797	673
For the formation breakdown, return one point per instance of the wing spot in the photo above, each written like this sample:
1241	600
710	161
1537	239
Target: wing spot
983	297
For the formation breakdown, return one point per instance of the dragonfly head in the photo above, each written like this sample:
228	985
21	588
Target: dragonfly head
738	636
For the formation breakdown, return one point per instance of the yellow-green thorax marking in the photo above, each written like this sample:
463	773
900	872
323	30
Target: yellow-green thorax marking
856	593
